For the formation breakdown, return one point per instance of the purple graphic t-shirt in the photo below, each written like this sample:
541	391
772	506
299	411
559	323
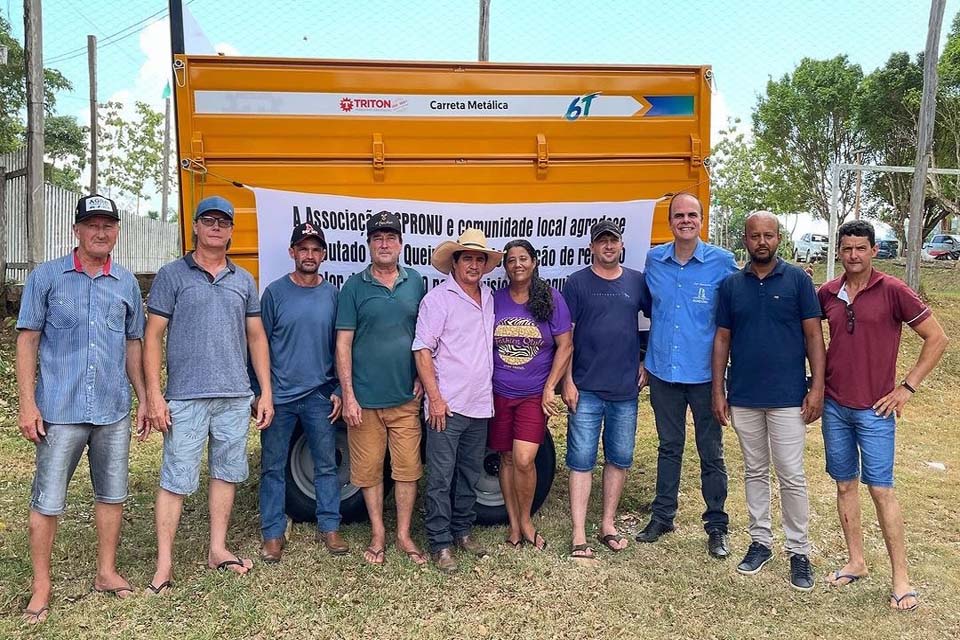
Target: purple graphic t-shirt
522	347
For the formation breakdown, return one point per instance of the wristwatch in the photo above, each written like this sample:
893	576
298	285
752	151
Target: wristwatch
906	385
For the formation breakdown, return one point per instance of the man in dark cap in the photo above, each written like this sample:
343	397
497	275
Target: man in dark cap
81	320
298	312
376	320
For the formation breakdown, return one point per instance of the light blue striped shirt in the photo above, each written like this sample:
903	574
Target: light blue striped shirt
683	321
85	323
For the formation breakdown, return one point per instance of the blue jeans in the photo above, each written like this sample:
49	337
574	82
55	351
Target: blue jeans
855	439
312	411
619	419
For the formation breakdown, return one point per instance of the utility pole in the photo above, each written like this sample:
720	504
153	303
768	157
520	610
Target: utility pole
33	58
856	197
166	161
483	54
92	65
928	110
176	47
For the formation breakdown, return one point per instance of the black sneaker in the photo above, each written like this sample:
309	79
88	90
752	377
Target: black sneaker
653	531
757	556
718	544
801	573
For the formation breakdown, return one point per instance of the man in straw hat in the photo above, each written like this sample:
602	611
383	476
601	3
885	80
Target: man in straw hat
453	348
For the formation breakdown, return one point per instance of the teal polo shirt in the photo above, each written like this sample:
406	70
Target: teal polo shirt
384	322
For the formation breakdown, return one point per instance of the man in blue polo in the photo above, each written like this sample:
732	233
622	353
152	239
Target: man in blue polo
81	320
298	312
683	277
209	309
768	324
376	323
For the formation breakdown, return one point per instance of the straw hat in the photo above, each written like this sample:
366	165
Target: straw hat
470	240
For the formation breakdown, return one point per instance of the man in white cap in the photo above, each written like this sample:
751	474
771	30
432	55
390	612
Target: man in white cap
454	353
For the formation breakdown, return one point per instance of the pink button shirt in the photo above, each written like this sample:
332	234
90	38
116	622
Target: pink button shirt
459	335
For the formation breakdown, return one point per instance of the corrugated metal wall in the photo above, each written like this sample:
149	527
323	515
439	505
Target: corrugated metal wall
144	244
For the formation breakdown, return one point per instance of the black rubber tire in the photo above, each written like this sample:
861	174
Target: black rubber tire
301	498
490	508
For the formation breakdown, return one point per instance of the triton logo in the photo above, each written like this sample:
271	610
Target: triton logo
346	104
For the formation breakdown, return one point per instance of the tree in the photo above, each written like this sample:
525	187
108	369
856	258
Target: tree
737	186
13	91
803	125
65	142
132	151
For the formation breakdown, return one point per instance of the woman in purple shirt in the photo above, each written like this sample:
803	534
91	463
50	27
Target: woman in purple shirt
532	346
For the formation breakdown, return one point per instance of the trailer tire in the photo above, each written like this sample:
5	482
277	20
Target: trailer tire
490	508
301	498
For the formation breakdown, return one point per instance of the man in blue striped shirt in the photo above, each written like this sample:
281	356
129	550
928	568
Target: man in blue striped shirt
81	318
683	277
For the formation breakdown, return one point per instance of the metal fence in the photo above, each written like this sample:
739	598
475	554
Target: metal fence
143	246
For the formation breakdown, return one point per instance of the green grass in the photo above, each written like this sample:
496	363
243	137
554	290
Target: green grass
670	588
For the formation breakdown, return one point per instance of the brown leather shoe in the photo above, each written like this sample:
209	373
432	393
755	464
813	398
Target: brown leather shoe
333	542
272	550
444	560
468	544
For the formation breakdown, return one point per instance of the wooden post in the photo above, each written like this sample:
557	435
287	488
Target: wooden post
928	110
483	54
33	58
3	239
92	67
164	201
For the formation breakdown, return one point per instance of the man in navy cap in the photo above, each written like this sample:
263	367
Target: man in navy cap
298	312
210	311
81	320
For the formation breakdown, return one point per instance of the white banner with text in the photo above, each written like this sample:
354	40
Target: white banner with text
558	231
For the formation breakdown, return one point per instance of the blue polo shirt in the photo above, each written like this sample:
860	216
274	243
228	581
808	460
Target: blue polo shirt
767	348
84	323
684	299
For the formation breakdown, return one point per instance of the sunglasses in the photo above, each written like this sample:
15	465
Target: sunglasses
851	318
209	221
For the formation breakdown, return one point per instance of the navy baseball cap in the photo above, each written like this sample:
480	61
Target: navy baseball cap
96	205
214	204
307	230
383	221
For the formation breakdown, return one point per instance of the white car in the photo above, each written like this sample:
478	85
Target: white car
810	247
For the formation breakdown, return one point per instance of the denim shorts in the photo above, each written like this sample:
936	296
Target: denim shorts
219	423
619	420
108	450
858	442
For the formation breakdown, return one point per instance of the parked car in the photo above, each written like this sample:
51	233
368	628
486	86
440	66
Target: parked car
888	248
943	246
810	247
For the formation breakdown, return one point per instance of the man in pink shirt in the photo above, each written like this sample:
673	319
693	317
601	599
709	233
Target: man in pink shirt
866	310
453	348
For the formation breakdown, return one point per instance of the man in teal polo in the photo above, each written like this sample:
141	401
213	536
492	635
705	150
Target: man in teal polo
376	322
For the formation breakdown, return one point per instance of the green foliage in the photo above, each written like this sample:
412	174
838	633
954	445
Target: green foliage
66	144
132	150
803	125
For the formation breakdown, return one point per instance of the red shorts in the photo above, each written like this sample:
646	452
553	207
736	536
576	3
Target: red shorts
516	419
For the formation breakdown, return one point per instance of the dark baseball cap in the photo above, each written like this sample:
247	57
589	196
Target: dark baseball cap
605	226
383	221
214	204
96	205
307	230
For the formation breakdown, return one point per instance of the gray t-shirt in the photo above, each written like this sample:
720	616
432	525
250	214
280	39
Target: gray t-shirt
206	336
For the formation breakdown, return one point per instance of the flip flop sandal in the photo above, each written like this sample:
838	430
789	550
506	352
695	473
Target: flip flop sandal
235	562
516	544
417	557
161	589
585	551
849	577
898	599
27	614
377	553
533	543
116	591
609	539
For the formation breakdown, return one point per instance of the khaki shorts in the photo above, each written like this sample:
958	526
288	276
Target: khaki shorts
398	427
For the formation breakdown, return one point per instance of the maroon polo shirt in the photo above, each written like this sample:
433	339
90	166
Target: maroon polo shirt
862	366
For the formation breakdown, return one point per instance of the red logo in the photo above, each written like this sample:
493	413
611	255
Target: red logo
346	104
